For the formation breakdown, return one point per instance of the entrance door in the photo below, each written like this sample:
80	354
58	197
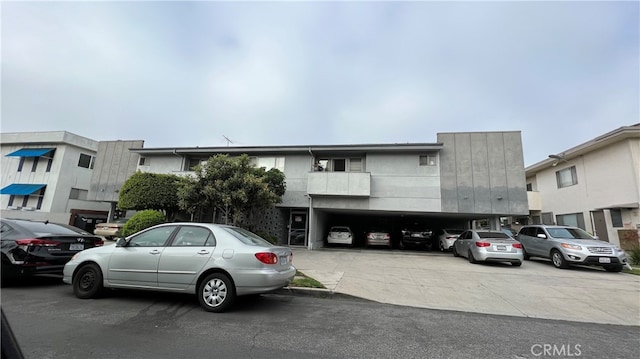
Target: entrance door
298	228
600	225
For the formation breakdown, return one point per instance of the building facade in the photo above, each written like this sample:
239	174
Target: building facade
595	186
46	175
462	178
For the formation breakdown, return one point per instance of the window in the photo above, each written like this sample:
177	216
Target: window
268	163
616	217
193	237
572	219
20	164
156	237
529	187
40	198
567	177
11	199
142	161
339	164
430	159
35	164
50	160
191	163
86	161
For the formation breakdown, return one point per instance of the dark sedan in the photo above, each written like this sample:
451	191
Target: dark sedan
34	247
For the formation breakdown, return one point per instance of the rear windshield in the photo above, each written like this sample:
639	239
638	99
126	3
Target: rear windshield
42	229
493	235
455	231
339	229
570	233
247	237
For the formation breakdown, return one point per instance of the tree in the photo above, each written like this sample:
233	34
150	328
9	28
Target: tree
151	191
142	220
233	187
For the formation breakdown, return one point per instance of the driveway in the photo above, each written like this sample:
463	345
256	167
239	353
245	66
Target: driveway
441	281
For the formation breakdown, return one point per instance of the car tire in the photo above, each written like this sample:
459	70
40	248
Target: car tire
87	282
516	264
216	293
471	259
454	251
558	260
616	268
441	246
525	254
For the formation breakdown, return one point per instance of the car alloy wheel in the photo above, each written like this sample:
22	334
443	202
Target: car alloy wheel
441	247
216	293
471	258
558	260
454	251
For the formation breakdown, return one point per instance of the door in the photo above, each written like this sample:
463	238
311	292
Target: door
136	264
600	225
184	258
298	228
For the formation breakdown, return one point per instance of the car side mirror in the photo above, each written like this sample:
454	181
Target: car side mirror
543	236
121	242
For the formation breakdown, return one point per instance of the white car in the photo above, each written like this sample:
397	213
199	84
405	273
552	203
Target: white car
215	262
446	238
340	235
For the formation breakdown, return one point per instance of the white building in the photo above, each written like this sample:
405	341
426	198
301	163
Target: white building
595	186
46	175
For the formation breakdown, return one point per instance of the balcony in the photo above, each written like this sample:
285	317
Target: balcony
535	201
356	184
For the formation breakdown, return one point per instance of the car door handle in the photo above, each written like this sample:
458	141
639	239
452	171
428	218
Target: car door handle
155	251
203	251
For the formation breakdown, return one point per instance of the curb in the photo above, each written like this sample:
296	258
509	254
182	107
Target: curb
317	293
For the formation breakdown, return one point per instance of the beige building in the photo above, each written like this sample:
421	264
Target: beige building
595	186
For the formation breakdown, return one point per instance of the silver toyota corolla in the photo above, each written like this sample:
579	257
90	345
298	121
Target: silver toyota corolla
215	262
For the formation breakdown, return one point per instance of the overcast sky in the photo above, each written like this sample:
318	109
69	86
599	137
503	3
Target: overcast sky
308	73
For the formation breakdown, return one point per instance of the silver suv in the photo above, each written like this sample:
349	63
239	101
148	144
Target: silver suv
570	245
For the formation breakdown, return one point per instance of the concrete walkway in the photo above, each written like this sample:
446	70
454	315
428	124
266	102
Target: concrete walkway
441	281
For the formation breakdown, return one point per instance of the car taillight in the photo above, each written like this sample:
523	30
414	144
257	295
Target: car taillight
98	243
452	237
267	257
517	245
482	244
37	242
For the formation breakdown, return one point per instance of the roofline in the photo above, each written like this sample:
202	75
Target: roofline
608	138
401	147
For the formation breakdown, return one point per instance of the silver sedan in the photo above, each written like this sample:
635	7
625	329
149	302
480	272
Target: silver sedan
215	262
485	245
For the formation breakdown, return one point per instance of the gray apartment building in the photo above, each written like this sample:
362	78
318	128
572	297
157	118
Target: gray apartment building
462	179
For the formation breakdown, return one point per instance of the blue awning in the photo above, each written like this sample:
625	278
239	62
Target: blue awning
30	152
19	189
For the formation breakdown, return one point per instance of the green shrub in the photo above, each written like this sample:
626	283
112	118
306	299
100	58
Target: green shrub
634	255
268	236
142	220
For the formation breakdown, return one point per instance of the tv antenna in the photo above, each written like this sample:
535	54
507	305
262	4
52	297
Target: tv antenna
227	139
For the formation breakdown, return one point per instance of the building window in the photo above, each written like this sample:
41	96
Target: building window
191	163
50	160
142	161
86	161
20	164
430	159
11	199
529	187
567	177
572	219
40	198
268	163
34	166
339	164
616	217
25	201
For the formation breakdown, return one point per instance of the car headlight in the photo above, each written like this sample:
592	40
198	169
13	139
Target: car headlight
75	256
571	246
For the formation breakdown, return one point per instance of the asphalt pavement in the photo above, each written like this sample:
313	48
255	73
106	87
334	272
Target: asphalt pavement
440	281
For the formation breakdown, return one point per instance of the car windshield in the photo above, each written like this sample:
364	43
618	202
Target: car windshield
569	233
247	237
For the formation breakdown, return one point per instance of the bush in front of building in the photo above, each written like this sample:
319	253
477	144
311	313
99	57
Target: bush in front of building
142	220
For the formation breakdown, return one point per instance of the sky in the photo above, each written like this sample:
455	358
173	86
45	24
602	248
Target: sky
186	74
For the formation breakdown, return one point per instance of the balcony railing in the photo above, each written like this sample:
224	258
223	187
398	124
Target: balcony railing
356	184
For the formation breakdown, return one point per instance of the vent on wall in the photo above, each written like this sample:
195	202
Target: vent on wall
28	209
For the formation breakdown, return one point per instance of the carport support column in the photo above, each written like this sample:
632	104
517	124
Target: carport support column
494	223
311	237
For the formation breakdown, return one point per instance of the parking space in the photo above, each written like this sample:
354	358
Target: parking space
441	281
